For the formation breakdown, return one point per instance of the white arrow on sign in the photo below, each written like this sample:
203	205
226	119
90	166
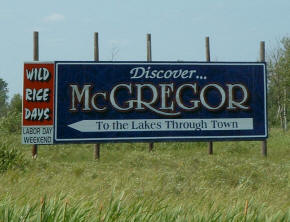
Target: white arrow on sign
86	126
162	125
117	125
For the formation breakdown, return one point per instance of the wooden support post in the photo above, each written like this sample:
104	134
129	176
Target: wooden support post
96	58
35	47
210	147
149	52
207	49
96	46
149	59
262	59
35	58
207	56
97	151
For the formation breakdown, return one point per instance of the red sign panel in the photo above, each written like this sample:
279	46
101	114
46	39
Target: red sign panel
38	94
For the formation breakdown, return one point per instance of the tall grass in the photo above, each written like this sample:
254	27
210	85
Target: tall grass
120	209
177	182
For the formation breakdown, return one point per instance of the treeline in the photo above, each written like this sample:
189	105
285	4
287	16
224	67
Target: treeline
10	112
278	65
279	84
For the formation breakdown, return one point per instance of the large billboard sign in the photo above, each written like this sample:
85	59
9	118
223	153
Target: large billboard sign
158	101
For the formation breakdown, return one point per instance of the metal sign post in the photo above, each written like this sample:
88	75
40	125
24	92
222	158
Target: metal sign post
96	57
207	55
262	59
149	59
35	58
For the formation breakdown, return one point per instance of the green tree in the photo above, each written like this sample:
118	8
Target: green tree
3	97
11	121
16	104
279	84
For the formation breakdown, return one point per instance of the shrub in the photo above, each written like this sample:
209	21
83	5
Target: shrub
10	158
11	123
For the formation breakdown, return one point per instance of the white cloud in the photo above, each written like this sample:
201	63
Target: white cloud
55	17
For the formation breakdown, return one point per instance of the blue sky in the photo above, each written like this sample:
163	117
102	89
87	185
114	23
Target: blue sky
178	29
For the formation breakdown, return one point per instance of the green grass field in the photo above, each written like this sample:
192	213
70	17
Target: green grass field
176	182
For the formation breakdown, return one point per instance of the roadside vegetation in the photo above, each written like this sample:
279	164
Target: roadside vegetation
176	182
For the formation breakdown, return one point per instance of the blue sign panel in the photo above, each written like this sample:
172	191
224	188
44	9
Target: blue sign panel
159	101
